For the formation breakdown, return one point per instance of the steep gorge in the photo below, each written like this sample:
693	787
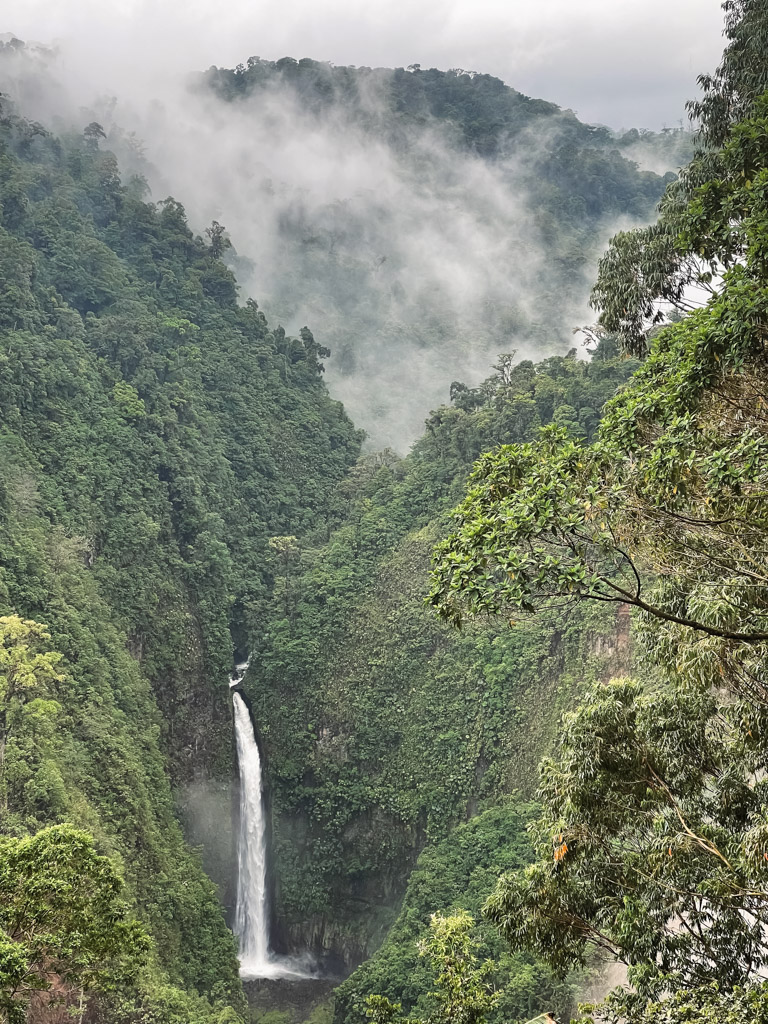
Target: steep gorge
155	434
178	487
385	728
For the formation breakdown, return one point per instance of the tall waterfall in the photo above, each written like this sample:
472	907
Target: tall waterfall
251	913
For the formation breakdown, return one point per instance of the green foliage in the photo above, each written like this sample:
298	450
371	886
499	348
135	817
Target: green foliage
462	993
677	468
464	987
158	1003
706	1004
462	990
383	727
62	919
484	113
154	435
650	819
275	1017
651	846
460	871
646	271
25	717
172	429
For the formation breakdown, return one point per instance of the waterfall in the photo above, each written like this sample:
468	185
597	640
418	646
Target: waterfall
252	910
251	913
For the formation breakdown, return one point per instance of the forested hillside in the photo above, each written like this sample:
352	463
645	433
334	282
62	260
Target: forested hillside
651	849
421	221
460	871
155	434
179	491
383	727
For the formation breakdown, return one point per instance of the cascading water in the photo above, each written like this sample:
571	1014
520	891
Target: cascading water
251	913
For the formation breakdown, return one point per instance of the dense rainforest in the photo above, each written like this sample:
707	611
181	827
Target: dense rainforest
155	434
384	727
179	490
485	816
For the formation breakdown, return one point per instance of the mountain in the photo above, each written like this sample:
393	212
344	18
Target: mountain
180	490
421	221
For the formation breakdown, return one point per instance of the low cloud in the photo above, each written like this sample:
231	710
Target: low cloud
413	260
629	64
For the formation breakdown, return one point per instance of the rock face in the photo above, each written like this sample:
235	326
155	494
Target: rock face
535	685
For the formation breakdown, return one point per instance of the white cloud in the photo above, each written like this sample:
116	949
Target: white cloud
632	63
433	245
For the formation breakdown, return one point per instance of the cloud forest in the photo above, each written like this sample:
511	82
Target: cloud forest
383	544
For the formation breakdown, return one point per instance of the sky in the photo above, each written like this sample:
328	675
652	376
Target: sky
627	64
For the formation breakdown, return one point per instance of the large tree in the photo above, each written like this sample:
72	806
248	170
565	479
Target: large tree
648	273
64	924
26	676
667	509
653	843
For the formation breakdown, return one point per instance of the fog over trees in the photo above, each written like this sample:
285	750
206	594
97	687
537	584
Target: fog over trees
423	423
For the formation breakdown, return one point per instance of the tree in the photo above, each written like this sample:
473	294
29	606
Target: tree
666	509
652	846
557	519
62	920
647	271
219	241
462	993
26	673
93	132
462	989
706	1004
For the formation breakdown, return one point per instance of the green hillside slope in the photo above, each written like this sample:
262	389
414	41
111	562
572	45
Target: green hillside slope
154	434
384	727
459	872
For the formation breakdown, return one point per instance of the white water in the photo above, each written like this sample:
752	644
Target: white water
251	915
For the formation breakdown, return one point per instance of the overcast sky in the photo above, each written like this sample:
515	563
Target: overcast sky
622	63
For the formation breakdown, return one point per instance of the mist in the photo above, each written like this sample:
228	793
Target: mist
416	262
625	65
